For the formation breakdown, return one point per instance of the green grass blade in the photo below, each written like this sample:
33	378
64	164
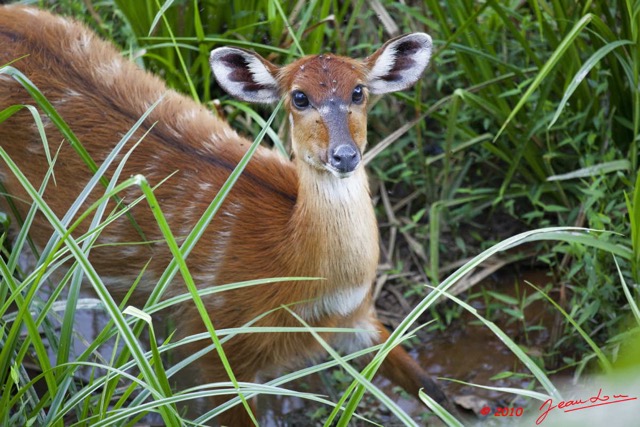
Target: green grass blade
595	170
191	286
582	73
604	361
438	410
262	123
167	4
546	69
633	304
518	391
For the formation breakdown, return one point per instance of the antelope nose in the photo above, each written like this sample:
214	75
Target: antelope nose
345	158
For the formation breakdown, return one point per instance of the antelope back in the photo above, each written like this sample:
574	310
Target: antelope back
101	95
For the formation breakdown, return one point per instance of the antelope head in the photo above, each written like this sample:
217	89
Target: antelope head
326	95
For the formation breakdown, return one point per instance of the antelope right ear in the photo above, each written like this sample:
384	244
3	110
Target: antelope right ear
245	75
399	63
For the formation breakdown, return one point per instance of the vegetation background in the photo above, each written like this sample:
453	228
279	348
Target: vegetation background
528	118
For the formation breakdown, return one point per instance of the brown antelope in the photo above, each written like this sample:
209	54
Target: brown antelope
309	217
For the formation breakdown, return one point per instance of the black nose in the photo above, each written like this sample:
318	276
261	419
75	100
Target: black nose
345	158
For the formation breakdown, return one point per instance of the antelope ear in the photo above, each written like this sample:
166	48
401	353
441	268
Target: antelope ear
245	75
399	63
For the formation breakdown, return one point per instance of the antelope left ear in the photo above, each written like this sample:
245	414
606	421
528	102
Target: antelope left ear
245	75
399	63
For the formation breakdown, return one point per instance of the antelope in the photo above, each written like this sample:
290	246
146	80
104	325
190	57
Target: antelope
307	217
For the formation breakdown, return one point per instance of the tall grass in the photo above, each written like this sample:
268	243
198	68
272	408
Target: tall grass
531	111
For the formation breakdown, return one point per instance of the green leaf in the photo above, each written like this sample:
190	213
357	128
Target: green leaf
595	170
582	73
546	69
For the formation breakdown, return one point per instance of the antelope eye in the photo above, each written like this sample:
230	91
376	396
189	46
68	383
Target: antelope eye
300	100
358	94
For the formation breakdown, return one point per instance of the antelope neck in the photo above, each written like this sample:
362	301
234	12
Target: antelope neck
336	224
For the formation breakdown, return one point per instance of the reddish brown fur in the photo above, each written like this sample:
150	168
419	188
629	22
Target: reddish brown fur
279	219
321	77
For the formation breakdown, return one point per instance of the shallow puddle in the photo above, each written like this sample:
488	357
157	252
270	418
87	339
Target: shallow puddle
469	351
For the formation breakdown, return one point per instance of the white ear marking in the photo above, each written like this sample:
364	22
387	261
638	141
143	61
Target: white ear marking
244	75
399	63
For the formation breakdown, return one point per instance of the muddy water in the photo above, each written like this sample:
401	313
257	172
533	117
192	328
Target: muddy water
468	351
